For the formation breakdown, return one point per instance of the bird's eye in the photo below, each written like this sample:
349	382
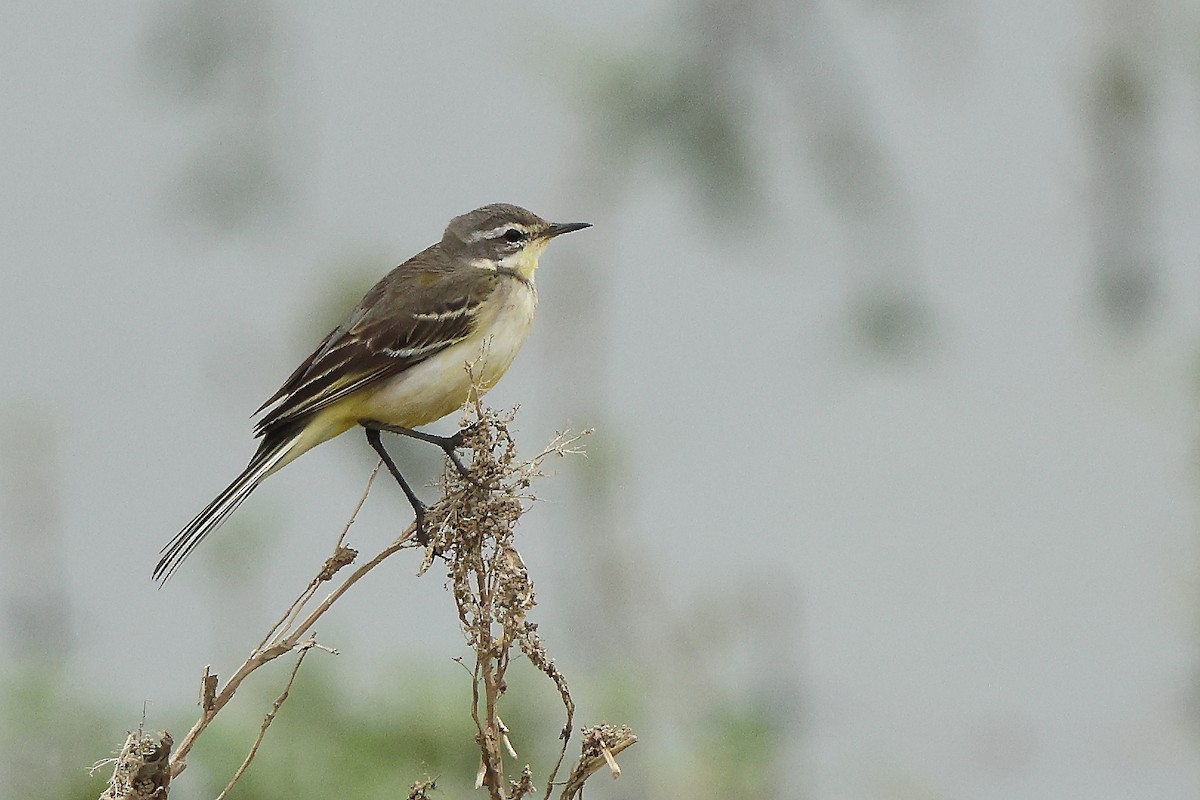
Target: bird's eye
514	235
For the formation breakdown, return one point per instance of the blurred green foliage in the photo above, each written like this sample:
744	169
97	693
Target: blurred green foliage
375	738
739	751
683	113
331	739
52	730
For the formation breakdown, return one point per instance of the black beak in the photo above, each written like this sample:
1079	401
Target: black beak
558	228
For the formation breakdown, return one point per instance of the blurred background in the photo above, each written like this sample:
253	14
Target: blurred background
888	327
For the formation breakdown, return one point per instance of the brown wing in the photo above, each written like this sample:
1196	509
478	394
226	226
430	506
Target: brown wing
410	315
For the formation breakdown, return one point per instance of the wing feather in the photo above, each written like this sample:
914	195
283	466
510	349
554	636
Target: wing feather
415	312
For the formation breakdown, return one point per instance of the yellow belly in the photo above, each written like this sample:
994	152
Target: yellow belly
437	386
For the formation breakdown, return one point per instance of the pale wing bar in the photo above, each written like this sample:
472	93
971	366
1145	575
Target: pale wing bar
372	346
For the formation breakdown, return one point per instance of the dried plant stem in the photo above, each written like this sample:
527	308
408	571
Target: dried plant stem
269	718
600	745
289	616
493	593
283	642
141	770
472	528
286	634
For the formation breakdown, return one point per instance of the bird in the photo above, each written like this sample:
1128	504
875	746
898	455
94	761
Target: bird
399	360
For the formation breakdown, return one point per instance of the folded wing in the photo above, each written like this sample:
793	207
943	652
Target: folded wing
409	316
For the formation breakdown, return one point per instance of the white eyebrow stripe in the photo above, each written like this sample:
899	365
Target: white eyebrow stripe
494	232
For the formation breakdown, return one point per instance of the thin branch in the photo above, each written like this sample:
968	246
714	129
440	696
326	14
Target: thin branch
270	717
492	590
472	529
341	557
284	641
600	746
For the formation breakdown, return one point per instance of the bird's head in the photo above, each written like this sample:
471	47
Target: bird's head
503	236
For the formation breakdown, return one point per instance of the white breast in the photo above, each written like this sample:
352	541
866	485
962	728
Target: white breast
440	385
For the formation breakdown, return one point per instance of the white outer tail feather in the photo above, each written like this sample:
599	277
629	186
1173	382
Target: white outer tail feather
265	461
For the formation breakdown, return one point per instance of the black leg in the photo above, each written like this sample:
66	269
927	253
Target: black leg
448	444
418	506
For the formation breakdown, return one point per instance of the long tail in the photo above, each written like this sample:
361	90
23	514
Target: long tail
273	449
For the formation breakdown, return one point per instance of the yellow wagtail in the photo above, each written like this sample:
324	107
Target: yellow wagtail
400	359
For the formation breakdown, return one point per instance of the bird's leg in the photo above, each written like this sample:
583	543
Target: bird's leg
448	444
418	506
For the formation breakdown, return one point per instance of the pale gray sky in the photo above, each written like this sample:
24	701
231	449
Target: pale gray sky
986	556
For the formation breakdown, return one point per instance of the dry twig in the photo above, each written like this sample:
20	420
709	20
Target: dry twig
600	744
492	589
141	771
270	717
472	527
286	634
